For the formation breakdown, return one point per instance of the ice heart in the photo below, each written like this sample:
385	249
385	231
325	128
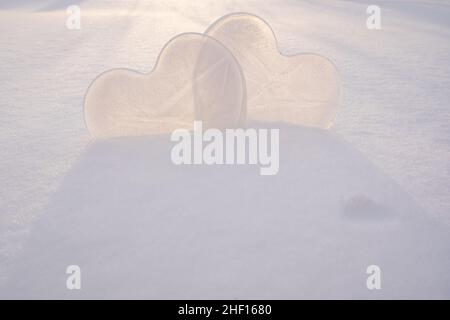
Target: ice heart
195	78
303	88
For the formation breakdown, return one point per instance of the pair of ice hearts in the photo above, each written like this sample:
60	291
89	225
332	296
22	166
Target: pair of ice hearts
232	73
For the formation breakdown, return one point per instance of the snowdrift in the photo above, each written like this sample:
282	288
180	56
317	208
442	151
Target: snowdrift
141	227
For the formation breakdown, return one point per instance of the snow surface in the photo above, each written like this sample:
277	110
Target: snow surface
373	190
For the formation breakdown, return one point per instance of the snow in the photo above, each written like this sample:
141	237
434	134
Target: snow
372	190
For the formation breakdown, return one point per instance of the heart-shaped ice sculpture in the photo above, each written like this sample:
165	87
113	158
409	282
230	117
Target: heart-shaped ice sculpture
303	88
195	78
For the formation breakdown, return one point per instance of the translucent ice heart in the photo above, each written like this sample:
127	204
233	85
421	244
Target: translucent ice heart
195	77
303	88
